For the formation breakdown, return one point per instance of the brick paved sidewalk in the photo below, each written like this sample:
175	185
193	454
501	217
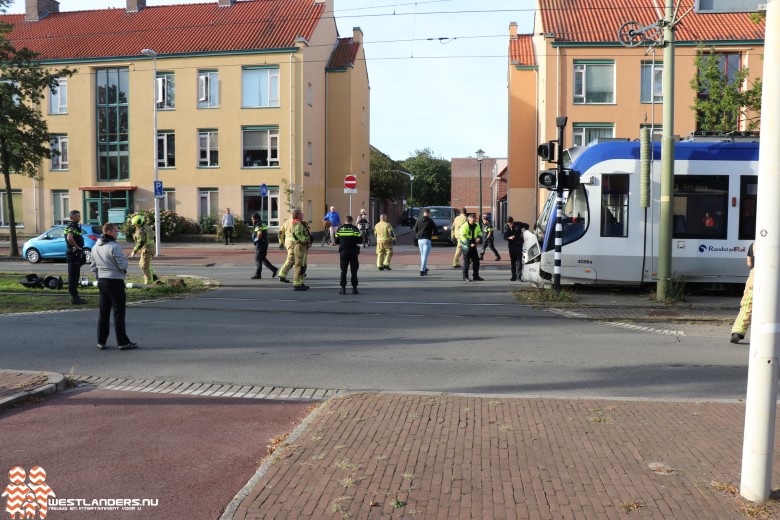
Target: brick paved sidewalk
18	385
438	456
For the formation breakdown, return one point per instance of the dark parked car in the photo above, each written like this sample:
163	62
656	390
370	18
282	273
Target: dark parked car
52	243
442	216
410	216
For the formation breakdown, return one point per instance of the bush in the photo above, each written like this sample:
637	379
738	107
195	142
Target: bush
208	223
241	230
171	224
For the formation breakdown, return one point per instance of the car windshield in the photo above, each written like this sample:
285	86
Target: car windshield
441	213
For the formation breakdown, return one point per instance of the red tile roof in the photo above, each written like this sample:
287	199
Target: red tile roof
598	21
521	50
344	54
170	29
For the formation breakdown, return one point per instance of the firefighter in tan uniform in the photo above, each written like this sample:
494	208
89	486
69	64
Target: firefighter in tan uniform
144	242
385	236
301	241
286	240
457	225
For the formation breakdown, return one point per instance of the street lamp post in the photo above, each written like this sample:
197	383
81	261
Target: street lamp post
152	54
480	156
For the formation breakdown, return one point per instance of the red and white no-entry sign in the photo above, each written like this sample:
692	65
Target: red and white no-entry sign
350	182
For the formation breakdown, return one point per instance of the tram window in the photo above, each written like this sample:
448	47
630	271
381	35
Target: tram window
575	215
702	202
614	205
748	192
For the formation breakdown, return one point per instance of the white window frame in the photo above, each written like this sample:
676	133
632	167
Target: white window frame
208	89
18	208
59	162
162	138
309	153
58	101
272	87
165	96
655	88
211	196
64	204
169	199
580	133
209	138
273	146
309	95
580	96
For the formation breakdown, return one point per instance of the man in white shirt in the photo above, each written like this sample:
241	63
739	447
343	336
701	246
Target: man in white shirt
228	222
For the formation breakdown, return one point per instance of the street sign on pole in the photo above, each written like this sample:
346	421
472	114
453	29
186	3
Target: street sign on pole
350	183
159	193
729	6
263	190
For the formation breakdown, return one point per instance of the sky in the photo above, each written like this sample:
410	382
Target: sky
437	69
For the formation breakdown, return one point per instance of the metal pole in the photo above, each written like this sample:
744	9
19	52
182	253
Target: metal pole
667	159
561	124
153	55
480	190
761	403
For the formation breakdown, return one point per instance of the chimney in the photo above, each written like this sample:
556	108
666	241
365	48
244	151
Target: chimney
133	6
225	3
357	35
513	30
37	9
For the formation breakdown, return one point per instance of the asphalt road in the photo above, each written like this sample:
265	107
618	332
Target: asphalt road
401	333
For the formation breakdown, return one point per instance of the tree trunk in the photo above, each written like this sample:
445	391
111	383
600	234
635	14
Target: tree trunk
14	249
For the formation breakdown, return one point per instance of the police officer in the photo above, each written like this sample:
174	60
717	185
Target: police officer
470	236
143	237
487	232
513	234
348	239
74	254
260	240
301	237
385	236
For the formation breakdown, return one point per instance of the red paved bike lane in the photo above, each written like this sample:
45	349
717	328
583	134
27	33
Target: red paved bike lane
189	453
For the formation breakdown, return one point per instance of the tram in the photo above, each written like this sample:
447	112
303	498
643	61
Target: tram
610	238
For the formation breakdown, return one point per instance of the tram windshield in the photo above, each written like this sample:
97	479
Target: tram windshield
576	217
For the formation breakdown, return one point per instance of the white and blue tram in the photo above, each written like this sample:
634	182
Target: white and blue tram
609	238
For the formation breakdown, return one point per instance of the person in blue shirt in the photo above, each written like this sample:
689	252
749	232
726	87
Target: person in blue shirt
335	221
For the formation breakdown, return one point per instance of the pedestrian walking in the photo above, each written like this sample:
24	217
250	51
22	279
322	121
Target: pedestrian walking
364	226
109	265
75	255
143	237
228	223
457	224
332	216
260	240
488	236
424	229
470	236
348	238
286	241
385	237
742	323
513	234
301	242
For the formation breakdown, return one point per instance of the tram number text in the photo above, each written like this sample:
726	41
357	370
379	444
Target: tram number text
584	261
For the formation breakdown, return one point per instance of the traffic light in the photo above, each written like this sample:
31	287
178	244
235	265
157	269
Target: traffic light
570	179
548	179
547	151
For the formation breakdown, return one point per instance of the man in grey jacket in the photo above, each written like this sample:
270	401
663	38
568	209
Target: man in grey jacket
109	265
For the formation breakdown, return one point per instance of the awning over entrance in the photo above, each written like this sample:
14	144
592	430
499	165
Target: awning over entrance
108	188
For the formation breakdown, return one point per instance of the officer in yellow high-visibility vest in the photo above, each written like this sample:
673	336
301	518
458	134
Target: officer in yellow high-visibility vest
385	236
470	236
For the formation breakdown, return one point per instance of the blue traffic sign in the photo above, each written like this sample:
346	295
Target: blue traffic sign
159	193
263	190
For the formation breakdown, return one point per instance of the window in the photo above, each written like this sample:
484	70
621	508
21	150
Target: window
267	207
169	201
575	215
113	128
652	83
309	95
209	202
208	89
260	87
166	149
59	152
166	90
208	148
748	193
58	97
700	207
585	133
594	82
16	199
656	131
61	206
309	153
260	146
10	88
614	205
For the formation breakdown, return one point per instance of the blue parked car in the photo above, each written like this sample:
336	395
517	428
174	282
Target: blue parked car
52	244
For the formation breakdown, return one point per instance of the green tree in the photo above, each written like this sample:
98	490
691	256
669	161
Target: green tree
24	135
386	182
432	178
720	101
